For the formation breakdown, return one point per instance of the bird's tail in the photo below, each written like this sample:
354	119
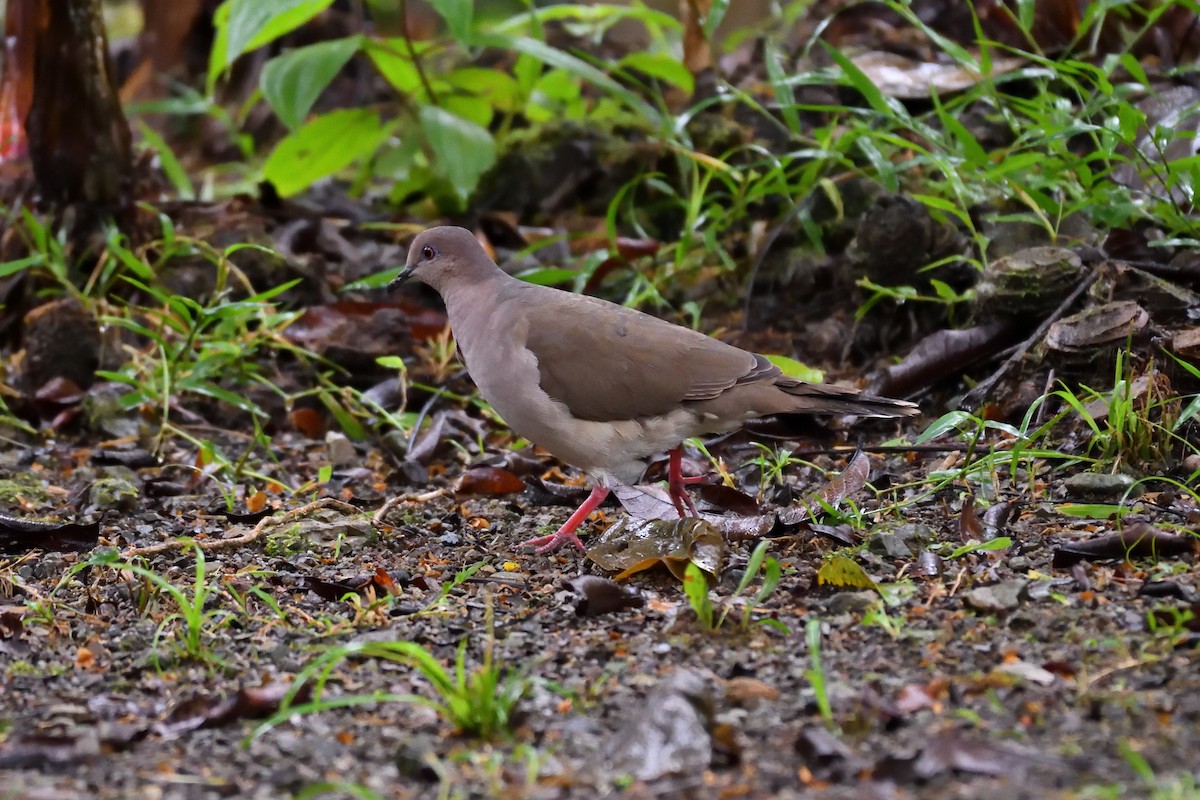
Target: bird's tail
818	398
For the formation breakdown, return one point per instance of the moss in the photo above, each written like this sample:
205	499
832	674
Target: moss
116	494
26	487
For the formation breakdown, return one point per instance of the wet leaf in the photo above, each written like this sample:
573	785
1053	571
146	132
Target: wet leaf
850	481
308	421
21	535
944	352
213	711
631	546
492	481
596	596
646	502
969	526
911	79
726	498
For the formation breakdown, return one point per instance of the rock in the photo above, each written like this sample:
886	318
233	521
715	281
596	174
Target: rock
670	734
901	541
1027	284
852	602
341	449
113	493
1100	486
1004	596
62	340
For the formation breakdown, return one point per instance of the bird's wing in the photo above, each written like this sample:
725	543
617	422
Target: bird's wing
606	362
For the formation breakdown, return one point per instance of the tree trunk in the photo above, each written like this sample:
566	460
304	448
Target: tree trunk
79	141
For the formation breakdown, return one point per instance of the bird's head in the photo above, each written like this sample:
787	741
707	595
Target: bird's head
440	253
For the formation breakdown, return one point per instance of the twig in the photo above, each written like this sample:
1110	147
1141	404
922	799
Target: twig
215	545
976	396
390	505
412	53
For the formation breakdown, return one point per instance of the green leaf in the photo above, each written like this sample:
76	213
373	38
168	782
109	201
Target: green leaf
716	13
661	66
345	420
794	369
292	82
1093	510
549	276
458	15
500	90
390	58
999	543
174	171
951	421
322	147
695	586
843	571
581	69
391	362
13	267
462	150
471	108
377	281
253	23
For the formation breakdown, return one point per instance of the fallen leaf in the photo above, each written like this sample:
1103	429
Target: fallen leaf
842	571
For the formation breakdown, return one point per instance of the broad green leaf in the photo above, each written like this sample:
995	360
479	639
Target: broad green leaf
253	23
591	13
473	109
499	88
391	59
554	57
794	369
322	147
462	150
292	82
458	15
661	66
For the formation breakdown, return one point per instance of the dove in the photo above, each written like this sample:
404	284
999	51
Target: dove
602	387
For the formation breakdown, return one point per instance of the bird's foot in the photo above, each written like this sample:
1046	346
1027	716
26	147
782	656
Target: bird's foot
565	534
676	483
547	544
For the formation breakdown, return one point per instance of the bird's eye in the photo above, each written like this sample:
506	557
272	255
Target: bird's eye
428	252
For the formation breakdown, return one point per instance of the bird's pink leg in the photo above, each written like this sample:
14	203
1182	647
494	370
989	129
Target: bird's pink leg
676	482
566	533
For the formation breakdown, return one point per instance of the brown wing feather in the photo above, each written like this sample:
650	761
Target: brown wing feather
615	363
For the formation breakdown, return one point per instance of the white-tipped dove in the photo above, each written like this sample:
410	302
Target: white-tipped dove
603	387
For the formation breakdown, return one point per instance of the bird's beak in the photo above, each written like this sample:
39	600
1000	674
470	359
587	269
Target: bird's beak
398	281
